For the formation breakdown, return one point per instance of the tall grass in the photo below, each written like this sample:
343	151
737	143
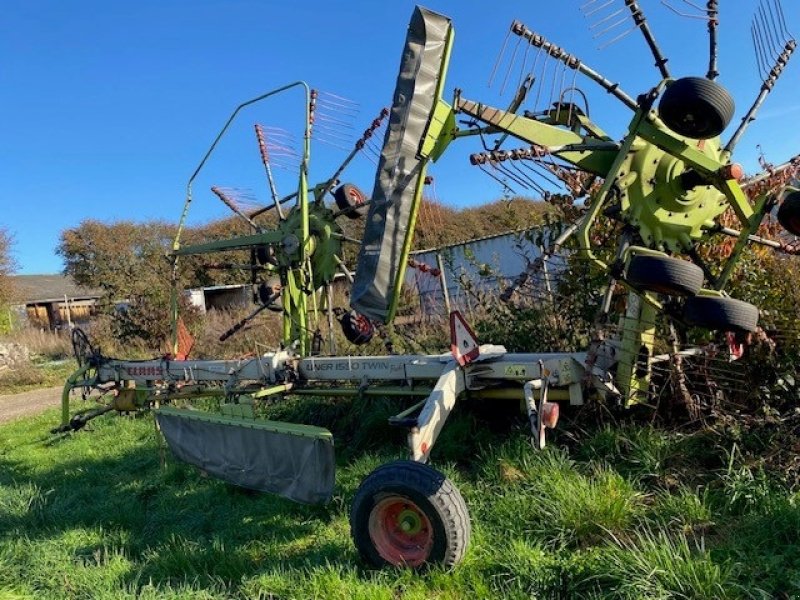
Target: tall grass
37	370
45	344
97	515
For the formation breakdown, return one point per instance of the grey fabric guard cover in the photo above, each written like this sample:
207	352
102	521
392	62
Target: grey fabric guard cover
295	467
400	167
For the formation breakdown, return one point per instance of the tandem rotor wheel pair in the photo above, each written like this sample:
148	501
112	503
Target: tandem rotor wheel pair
676	277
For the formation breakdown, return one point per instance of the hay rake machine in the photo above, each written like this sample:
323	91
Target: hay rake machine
666	184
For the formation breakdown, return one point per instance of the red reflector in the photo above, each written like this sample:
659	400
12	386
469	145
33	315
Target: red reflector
550	415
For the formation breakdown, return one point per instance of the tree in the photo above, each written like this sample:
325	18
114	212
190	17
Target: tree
7	266
128	262
439	225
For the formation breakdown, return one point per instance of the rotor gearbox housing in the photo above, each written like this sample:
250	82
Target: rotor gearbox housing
655	199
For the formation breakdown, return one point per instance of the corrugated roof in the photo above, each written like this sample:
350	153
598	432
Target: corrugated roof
49	288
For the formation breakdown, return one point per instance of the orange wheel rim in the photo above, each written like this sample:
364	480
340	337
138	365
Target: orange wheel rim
401	533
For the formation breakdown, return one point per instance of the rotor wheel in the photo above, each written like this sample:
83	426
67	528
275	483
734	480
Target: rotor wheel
718	313
350	200
664	275
789	213
407	514
696	107
81	347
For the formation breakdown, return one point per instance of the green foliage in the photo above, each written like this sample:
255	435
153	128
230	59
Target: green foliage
128	262
439	225
7	267
770	281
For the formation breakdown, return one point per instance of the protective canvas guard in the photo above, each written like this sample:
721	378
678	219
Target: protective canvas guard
293	461
401	170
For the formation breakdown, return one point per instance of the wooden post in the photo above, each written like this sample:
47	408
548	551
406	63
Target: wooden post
69	316
443	282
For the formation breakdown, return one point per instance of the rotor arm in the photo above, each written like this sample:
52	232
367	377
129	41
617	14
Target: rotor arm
237	243
572	61
585	152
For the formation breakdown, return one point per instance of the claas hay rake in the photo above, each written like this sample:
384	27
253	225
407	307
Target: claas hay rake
665	185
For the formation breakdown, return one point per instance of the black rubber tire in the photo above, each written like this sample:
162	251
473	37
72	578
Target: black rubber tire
350	199
269	291
696	107
664	275
356	328
789	213
431	492
724	314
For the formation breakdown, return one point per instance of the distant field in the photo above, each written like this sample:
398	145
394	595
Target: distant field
628	512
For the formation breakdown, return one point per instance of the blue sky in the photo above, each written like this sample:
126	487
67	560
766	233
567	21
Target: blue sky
107	107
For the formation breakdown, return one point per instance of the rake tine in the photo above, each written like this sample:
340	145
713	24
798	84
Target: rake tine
220	193
498	59
607	18
541	81
360	145
782	18
497	179
510	66
784	54
533	183
262	146
773	44
683	14
758	50
340	99
597	9
602	32
323	116
331	143
522	68
508	173
350	111
776	22
573	62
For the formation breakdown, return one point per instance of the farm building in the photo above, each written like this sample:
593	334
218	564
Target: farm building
53	301
487	264
220	297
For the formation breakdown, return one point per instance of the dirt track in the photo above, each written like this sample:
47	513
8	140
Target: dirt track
28	403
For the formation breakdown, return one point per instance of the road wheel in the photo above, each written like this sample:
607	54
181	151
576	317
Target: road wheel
789	213
407	514
696	107
664	275
350	200
725	314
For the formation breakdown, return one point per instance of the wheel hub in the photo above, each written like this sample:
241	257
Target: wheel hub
323	245
655	199
401	533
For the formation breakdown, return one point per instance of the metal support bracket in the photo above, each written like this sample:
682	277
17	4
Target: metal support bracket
434	413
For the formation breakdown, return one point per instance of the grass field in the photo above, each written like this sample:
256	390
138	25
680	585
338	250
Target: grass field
622	512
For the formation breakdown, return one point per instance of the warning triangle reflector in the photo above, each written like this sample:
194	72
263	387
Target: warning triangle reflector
463	343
